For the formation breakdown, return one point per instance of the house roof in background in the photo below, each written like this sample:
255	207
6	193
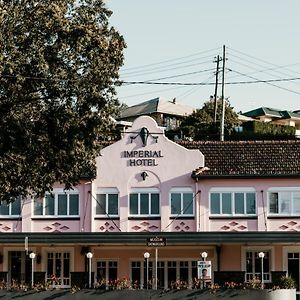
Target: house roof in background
248	158
271	112
157	105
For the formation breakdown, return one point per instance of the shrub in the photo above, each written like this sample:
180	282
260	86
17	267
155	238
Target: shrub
286	282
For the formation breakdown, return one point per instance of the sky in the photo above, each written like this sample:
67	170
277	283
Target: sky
177	41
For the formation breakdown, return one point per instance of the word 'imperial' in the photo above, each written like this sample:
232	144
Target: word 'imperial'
142	157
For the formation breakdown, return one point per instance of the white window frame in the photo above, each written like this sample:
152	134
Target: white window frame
10	215
148	191
279	190
44	262
181	191
55	193
232	191
259	249
107	261
107	191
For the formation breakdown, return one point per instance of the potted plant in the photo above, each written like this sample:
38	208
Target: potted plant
286	289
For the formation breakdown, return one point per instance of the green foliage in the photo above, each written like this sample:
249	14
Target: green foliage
262	130
59	63
287	282
200	124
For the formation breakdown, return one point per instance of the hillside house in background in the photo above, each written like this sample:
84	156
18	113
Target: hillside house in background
167	113
275	116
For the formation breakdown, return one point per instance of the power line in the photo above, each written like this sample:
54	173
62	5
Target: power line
193	89
182	211
103	208
165	83
180	75
270	82
260	71
212	83
153	92
151	71
169	60
259	59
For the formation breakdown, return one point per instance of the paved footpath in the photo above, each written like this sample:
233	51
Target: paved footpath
94	294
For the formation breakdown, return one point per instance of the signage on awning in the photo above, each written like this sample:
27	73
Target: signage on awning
156	242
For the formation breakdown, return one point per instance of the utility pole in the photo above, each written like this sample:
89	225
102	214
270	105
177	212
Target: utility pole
223	99
216	90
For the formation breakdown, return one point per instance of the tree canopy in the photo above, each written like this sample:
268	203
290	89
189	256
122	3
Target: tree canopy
200	124
59	64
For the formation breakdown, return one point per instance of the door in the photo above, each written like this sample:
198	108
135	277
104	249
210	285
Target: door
107	273
58	269
19	268
161	274
293	266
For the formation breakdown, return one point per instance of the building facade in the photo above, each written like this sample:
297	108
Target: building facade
230	200
167	113
274	116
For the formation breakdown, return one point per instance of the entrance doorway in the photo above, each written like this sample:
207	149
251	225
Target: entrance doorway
294	267
58	269
19	268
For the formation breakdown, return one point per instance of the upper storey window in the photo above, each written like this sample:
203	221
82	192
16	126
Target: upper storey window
144	203
182	202
107	203
60	203
226	202
284	201
12	209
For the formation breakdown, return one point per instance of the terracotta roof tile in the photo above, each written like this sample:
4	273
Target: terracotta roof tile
248	158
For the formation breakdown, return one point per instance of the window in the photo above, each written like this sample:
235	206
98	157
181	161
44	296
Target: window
253	265
232	203
107	272
107	203
58	266
284	202
182	202
11	209
184	271
59	203
144	203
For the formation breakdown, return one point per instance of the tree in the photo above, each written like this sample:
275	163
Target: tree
200	124
59	64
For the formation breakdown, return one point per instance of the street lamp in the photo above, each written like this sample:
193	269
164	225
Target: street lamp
146	256
204	255
89	255
261	255
32	256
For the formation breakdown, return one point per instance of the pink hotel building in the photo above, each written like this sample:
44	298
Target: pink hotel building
231	200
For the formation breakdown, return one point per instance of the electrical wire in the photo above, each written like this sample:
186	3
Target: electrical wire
181	75
20	215
256	80
173	59
168	69
269	82
260	71
183	210
111	219
153	92
85	211
192	90
175	83
259	59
